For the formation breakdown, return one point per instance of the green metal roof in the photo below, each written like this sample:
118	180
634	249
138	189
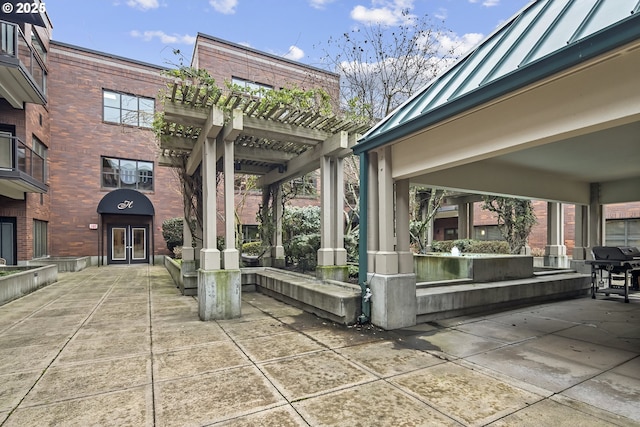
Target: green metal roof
546	37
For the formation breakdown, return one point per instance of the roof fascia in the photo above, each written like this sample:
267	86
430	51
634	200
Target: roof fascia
601	42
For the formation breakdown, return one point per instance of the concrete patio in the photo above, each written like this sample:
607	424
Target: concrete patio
121	346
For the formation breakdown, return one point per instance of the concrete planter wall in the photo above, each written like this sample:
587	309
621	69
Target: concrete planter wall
25	281
174	270
477	267
64	264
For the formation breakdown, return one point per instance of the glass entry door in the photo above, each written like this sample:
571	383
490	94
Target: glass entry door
128	244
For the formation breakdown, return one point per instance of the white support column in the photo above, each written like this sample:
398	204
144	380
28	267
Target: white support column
405	256
555	251
277	251
338	230
386	257
373	220
325	253
209	255
188	252
231	255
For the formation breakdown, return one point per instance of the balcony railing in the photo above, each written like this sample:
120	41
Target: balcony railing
16	156
13	44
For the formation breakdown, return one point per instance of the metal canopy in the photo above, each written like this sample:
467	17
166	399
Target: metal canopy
266	142
547	108
544	38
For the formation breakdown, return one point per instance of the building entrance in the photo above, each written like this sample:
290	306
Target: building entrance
128	244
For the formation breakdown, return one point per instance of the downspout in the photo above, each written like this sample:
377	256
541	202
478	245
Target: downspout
365	316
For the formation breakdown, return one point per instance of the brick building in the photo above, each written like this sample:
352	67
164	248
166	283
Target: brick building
75	126
79	173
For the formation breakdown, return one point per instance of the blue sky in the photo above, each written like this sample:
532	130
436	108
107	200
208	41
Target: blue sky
149	30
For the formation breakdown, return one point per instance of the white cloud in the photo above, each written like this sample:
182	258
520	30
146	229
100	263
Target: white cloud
163	37
143	4
226	7
487	3
441	14
294	53
459	45
319	4
389	12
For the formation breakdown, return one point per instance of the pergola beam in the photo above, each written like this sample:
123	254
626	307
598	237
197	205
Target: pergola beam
212	127
277	131
262	155
184	115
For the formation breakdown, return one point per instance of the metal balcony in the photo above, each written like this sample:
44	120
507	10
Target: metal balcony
22	170
23	75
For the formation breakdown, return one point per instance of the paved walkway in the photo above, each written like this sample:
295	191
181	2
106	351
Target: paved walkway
121	346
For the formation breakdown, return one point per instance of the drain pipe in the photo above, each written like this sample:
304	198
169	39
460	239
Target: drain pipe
363	266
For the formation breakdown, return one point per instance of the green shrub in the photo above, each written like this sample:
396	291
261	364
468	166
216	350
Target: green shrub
303	250
252	248
172	232
472	246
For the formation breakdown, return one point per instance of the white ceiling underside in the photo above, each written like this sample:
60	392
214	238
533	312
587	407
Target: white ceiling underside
549	141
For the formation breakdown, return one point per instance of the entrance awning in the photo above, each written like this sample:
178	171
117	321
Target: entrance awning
126	202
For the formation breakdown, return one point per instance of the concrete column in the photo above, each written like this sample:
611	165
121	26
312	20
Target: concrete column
209	255
596	218
463	220
277	250
373	241
338	230
386	258
188	268
188	252
231	256
581	245
325	253
471	219
405	256
555	251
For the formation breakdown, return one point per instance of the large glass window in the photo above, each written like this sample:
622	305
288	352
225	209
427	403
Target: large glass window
39	160
6	150
124	173
127	109
249	85
40	239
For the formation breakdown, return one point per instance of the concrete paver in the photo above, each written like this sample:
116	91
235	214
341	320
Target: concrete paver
119	345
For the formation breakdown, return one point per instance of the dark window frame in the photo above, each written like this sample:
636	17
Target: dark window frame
139	178
122	111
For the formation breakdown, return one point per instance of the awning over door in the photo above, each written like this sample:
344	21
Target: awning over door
127	202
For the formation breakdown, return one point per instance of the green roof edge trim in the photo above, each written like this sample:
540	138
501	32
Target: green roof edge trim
603	41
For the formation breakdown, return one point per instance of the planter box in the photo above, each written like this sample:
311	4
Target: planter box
477	267
64	264
25	281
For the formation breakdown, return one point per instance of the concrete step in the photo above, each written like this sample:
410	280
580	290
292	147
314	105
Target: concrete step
336	301
461	299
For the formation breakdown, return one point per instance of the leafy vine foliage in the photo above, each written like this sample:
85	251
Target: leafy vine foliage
201	89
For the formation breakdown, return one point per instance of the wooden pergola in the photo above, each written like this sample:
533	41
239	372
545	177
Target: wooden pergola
205	131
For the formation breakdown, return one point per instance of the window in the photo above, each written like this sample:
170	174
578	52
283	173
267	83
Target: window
39	239
127	109
249	85
39	160
38	46
622	232
123	173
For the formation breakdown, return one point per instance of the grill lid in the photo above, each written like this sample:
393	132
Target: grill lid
615	253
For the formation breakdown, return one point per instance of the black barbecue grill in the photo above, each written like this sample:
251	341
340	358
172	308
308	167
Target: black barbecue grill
615	260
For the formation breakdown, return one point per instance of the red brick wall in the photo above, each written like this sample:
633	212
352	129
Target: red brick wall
225	60
79	138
